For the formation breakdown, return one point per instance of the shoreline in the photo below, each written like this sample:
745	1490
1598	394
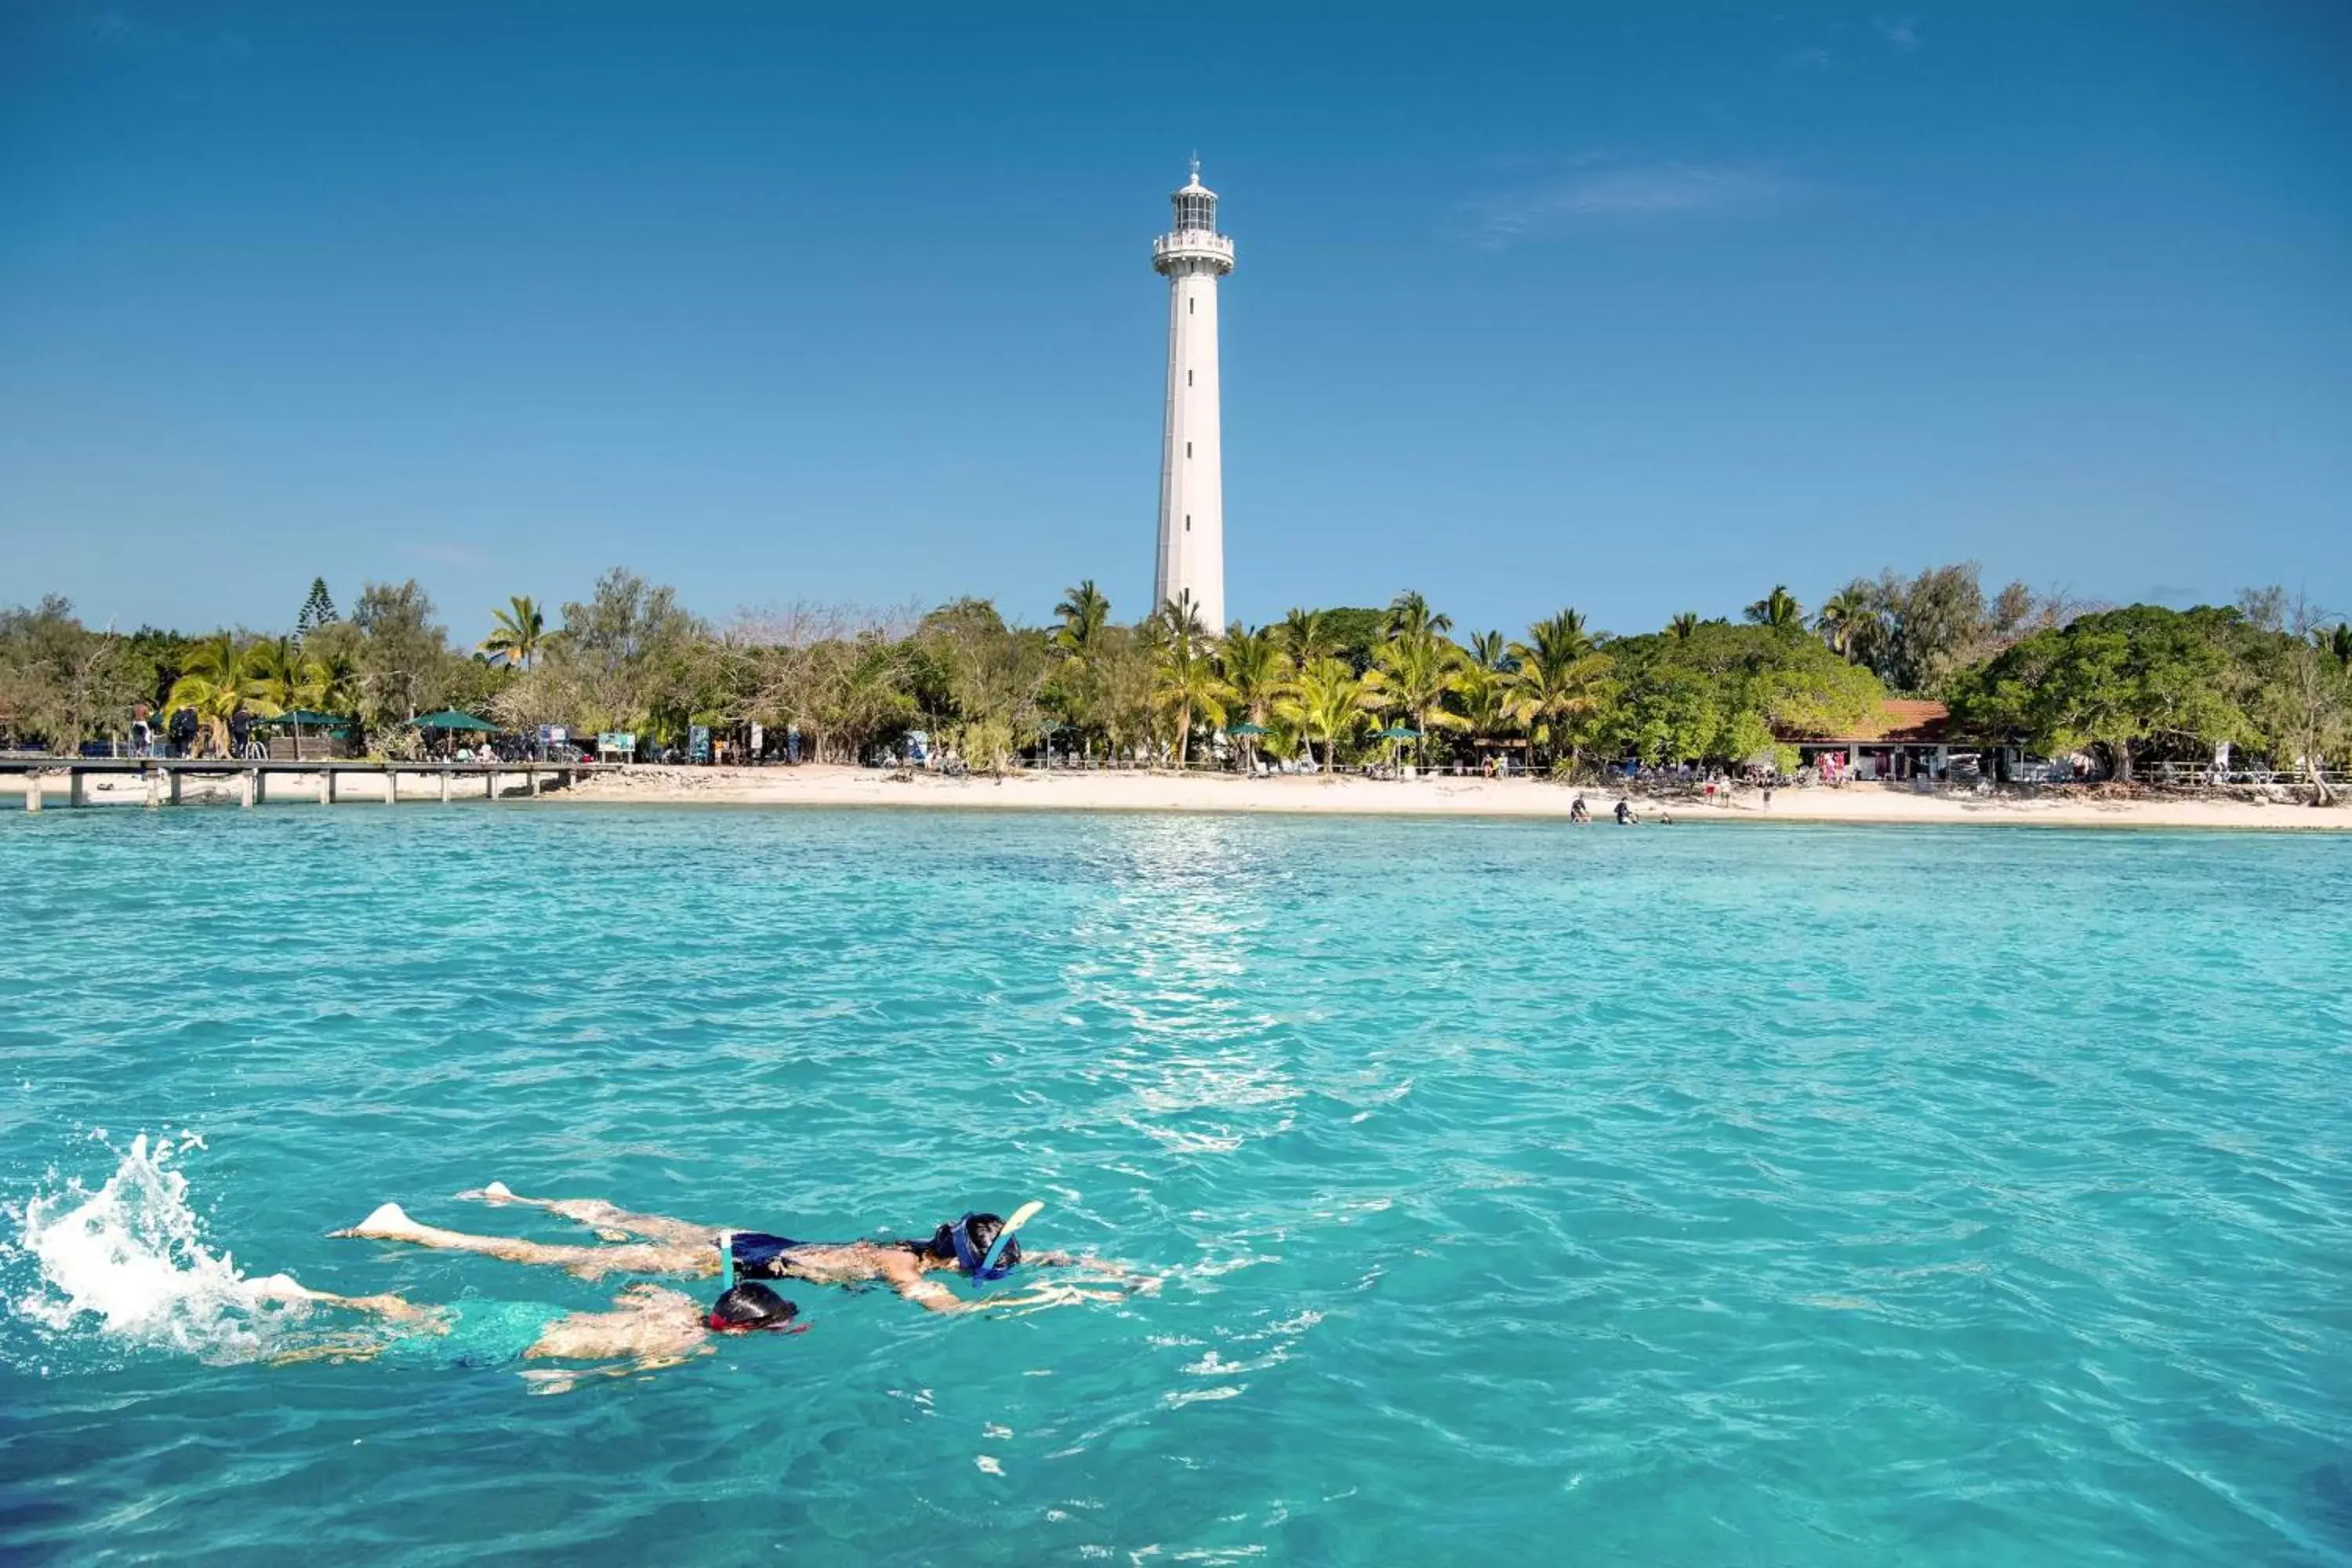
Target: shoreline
831	786
1433	796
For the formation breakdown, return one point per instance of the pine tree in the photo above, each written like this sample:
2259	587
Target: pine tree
318	610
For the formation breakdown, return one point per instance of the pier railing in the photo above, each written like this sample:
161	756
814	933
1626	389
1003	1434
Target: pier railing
255	781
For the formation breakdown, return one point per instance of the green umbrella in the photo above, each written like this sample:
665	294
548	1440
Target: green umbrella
1398	733
450	719
314	720
1245	729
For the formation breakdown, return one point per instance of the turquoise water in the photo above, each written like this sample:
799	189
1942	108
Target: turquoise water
1684	1195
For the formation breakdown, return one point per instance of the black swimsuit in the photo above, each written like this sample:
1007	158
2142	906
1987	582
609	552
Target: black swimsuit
759	1255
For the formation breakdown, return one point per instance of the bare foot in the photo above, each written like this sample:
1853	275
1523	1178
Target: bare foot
387	1223
495	1192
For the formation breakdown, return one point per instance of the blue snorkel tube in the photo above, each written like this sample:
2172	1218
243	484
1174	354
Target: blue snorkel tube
982	1267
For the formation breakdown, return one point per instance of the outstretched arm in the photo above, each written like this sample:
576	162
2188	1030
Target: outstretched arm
1093	1268
934	1297
286	1289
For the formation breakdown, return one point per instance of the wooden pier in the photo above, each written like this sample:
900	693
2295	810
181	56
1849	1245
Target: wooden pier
330	783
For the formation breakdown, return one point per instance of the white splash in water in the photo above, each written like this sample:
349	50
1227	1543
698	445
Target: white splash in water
131	1255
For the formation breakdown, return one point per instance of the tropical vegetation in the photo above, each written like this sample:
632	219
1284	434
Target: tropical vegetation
1328	687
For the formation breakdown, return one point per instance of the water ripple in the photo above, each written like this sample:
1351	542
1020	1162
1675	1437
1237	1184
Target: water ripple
1788	1195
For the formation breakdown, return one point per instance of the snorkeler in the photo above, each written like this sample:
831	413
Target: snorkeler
978	1246
649	1327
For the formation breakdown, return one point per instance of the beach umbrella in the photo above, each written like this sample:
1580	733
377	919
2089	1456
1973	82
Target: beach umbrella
450	719
300	717
1244	728
1398	733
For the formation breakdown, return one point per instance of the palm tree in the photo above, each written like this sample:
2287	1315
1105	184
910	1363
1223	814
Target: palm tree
338	688
1329	702
1414	675
212	682
1560	636
1085	611
1683	626
1188	685
277	675
520	633
1255	670
1180	620
2340	642
1843	622
1778	610
1490	651
1485	693
1559	680
1308	638
1409	615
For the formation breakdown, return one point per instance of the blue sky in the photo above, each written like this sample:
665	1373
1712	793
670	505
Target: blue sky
1635	308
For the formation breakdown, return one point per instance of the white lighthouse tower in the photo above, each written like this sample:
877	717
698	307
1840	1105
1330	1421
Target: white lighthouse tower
1192	256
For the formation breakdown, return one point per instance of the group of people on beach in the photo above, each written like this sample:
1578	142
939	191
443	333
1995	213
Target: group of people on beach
649	1326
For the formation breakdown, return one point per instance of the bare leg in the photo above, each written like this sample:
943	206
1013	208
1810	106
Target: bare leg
607	1220
389	1224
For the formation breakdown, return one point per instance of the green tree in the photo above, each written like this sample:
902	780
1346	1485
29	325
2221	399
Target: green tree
1562	685
1777	610
517	633
1328	702
1308	638
1409	615
1412	677
1255	670
399	652
2128	685
61	682
1189	680
1085	611
1847	622
215	684
318	610
1683	626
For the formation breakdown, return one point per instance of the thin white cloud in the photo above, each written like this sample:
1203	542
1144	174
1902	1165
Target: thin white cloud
1901	32
1588	192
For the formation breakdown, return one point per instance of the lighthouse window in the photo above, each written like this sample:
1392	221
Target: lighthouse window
1188	522
1189	303
1188	378
1188	448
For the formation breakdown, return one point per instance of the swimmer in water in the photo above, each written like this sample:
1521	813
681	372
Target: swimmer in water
647	1327
656	1244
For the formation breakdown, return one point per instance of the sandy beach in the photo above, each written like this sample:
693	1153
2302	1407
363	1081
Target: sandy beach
1440	795
1428	797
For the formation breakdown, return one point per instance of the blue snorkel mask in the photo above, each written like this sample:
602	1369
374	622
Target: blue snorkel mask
981	1267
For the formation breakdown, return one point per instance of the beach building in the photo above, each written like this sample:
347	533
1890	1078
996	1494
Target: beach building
1193	256
1905	740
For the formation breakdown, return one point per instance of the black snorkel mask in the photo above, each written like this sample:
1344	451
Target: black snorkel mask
981	1265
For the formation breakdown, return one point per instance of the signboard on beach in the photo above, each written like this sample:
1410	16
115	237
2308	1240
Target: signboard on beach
621	741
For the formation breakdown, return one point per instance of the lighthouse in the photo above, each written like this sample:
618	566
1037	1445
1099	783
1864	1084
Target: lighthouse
1193	256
